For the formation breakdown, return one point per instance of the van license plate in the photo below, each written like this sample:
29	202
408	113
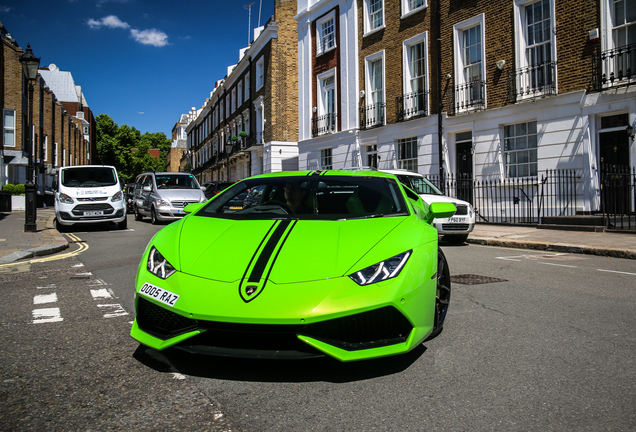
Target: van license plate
457	220
94	213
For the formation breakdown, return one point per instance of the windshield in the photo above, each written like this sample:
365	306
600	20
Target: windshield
419	184
89	177
175	181
324	198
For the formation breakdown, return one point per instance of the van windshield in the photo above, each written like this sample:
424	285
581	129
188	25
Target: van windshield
176	181
88	177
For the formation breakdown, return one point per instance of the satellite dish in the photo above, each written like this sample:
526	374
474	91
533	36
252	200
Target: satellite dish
53	67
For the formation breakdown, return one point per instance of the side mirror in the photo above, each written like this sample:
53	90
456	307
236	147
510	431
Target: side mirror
441	210
147	189
203	188
193	208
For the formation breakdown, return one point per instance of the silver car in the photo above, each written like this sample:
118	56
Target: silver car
162	196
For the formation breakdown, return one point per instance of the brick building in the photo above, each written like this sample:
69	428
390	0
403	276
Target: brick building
249	123
59	138
513	90
178	149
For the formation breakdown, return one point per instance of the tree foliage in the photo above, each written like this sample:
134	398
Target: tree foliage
126	148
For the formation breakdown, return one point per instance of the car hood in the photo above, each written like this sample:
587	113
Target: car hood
430	198
286	251
181	194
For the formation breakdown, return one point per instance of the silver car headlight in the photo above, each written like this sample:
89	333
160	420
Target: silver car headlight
158	265
381	271
117	197
163	203
65	199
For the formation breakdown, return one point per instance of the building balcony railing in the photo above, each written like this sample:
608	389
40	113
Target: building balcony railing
615	68
323	124
469	96
532	82
372	115
412	105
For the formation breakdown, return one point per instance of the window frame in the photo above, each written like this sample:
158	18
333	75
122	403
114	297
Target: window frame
406	162
406	8
246	95
321	106
459	63
369	91
505	152
367	18
331	16
326	155
5	128
406	68
260	73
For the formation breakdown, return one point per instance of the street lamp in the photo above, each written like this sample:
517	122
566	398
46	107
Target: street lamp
30	65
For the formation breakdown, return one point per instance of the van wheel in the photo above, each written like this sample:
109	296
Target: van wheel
153	216
123	224
138	215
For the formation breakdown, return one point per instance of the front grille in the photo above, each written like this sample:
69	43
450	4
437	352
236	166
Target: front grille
182	204
79	209
455	227
376	328
92	199
462	209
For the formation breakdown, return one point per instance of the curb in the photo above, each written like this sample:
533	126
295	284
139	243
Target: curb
554	247
60	244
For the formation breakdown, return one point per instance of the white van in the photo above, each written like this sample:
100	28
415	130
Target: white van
88	194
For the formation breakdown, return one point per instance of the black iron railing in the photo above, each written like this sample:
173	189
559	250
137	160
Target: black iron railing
372	115
618	197
412	105
469	96
532	82
323	124
615	67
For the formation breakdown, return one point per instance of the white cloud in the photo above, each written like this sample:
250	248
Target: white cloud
5	9
150	37
110	21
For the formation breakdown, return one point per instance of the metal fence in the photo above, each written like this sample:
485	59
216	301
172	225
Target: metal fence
516	200
618	197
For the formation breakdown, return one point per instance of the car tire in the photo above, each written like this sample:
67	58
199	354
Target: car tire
123	224
138	216
153	216
456	238
442	298
59	227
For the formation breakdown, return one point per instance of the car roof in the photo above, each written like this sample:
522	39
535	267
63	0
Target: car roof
312	173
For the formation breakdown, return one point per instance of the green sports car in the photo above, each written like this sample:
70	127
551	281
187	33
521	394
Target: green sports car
316	263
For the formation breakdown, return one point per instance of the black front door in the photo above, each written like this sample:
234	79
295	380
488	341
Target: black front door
615	185
465	171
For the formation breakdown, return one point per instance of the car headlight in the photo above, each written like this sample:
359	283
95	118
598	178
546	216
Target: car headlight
163	203
65	199
381	271
117	197
158	265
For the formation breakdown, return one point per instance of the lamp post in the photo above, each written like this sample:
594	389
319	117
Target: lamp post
30	64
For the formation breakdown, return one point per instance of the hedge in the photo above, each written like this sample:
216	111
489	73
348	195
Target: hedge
14	189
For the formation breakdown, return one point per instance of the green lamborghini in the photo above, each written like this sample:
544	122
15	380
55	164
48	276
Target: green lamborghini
297	265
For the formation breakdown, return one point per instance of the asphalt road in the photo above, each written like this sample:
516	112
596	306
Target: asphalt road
539	341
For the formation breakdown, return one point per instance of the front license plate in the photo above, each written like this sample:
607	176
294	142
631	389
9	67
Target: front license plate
457	220
94	213
235	208
164	296
180	212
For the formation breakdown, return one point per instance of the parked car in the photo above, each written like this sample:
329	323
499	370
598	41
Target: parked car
88	194
456	228
163	196
215	187
357	276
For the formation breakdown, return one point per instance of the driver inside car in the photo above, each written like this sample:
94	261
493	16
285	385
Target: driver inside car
295	197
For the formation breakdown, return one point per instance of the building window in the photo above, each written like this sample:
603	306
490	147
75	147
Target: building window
375	106
407	153
239	93
9	128
326	159
373	15
55	164
46	149
415	100
520	149
233	99
247	86
372	156
326	34
327	115
260	73
246	121
469	66
411	6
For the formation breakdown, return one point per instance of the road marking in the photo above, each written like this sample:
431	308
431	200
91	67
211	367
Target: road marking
78	265
117	310
96	282
509	258
558	265
48	315
616	271
101	294
47	286
45	298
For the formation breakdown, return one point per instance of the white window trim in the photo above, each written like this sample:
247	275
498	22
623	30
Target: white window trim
322	158
367	81
246	92
405	8
234	99
46	149
55	150
4	127
330	16
246	121
260	79
406	45
367	21
320	101
458	57
520	39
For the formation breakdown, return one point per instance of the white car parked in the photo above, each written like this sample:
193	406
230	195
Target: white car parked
455	229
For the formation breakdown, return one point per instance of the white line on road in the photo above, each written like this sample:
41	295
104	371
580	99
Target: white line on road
117	310
558	265
616	271
99	294
47	286
509	258
45	298
47	315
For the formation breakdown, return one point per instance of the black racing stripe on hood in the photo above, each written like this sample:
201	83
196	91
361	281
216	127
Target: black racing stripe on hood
263	259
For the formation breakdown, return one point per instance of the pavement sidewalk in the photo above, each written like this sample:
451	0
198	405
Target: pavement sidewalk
15	244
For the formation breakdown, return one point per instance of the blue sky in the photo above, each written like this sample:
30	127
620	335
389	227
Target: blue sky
142	62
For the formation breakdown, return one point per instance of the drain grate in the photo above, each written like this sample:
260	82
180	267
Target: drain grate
472	279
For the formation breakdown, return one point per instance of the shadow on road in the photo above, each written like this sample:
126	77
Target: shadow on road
261	370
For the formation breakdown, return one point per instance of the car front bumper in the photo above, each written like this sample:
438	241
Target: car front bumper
80	213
